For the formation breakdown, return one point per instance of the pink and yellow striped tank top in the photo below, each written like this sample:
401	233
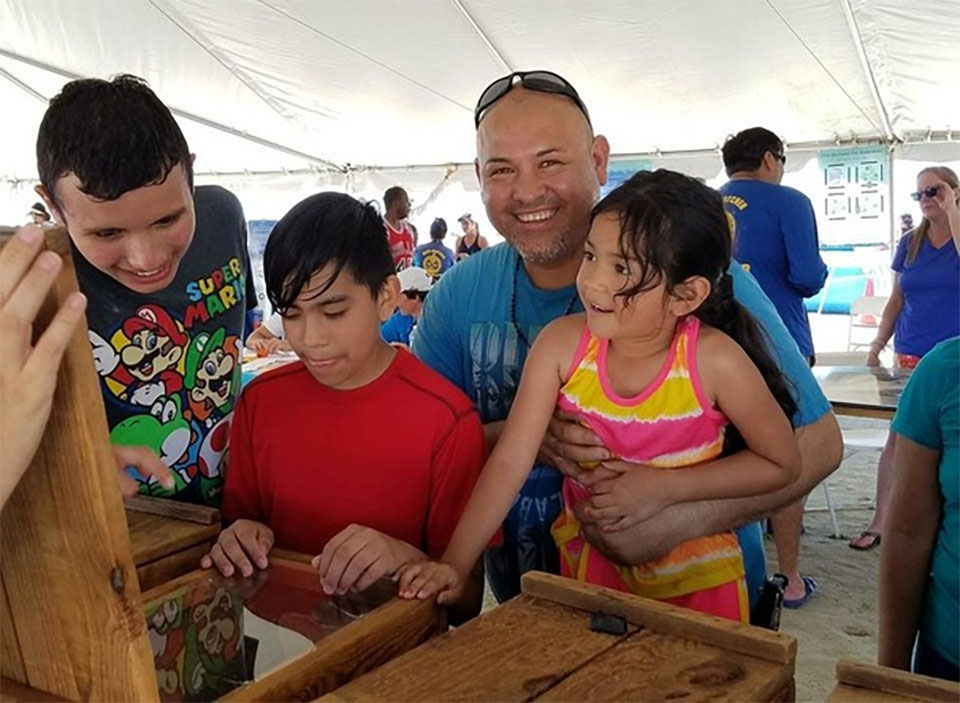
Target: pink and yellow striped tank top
671	424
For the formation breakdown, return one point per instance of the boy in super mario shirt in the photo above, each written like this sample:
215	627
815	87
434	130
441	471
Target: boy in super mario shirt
164	266
357	453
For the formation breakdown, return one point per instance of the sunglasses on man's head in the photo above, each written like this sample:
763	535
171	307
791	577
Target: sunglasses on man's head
782	158
930	192
539	81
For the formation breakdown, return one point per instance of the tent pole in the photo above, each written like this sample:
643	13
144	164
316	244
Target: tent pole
483	37
867	69
23	86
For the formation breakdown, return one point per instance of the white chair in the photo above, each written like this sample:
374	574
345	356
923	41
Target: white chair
866	305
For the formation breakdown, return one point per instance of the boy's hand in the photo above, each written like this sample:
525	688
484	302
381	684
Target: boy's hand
634	495
245	541
269	346
426	579
358	556
145	463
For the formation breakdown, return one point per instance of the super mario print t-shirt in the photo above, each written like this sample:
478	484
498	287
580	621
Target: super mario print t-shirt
169	362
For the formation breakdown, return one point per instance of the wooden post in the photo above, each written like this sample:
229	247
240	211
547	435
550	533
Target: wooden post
72	622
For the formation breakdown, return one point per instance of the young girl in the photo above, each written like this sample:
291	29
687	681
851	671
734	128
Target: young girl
660	365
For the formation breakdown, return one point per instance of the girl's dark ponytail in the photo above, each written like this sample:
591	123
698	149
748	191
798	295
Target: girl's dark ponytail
722	311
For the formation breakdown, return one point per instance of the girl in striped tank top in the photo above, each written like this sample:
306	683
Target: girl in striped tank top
672	373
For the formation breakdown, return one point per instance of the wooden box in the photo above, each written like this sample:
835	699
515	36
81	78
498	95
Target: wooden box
168	538
275	636
867	683
540	647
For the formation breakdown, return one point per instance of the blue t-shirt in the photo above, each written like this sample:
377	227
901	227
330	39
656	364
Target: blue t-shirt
812	404
931	296
434	258
776	237
397	328
929	414
466	333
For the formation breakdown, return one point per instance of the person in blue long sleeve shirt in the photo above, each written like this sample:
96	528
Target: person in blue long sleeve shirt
775	238
776	231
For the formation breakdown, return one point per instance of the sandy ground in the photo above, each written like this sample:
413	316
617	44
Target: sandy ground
840	621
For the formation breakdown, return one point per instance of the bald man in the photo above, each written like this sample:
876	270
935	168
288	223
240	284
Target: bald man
540	168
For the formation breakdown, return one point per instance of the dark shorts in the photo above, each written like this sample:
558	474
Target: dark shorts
929	662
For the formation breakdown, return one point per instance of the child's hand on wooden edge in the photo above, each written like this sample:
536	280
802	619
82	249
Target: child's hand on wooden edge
426	579
239	547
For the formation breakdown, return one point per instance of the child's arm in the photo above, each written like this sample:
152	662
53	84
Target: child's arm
507	467
731	379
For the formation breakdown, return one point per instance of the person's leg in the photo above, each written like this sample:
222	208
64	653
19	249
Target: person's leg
786	536
927	661
870	536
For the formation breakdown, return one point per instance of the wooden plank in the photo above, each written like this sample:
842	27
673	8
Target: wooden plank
362	646
653	666
154	536
15	692
896	682
165	507
67	565
11	661
663	617
510	653
289	555
176	584
842	693
158	572
859	411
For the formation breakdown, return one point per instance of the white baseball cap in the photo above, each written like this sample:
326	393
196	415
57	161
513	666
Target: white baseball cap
415	278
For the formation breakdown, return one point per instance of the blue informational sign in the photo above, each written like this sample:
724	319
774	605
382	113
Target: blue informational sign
258	231
620	170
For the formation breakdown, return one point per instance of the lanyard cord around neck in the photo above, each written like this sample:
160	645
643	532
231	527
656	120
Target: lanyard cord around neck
513	304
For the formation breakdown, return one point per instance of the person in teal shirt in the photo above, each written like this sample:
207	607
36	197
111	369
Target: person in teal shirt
920	563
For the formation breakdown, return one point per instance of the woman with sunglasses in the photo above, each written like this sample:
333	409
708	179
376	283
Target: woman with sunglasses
924	306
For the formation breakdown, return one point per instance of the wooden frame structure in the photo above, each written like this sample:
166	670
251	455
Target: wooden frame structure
540	647
71	618
868	683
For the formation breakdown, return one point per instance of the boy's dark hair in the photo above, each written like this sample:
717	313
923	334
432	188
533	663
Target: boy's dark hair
676	227
391	195
438	229
744	151
322	229
115	135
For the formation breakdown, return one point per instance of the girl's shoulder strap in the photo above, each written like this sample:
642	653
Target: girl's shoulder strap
587	342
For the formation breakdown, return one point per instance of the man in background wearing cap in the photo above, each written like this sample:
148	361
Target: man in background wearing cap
471	242
415	283
38	215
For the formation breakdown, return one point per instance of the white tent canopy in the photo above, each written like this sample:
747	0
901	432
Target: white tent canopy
274	85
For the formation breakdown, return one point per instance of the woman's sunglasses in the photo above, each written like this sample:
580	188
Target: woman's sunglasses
540	81
420	295
930	192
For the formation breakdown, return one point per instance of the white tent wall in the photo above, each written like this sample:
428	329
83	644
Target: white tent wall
284	95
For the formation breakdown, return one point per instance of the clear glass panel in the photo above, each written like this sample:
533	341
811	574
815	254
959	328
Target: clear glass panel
214	634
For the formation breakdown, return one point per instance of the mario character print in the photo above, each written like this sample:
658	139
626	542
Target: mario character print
142	365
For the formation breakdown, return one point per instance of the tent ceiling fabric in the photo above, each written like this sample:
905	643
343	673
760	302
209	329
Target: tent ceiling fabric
383	82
